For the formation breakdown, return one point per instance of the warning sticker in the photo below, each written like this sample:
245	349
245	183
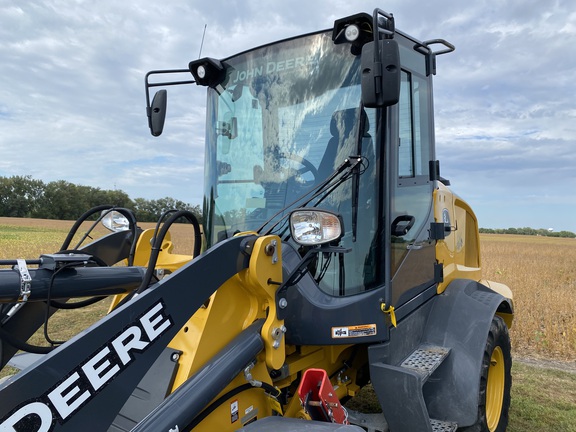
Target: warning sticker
354	331
234	411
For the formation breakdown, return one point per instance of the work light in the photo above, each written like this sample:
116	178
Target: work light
315	227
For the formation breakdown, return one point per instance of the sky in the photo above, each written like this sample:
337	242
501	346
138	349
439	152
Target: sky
72	100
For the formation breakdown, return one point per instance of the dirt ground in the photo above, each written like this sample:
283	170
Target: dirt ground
547	364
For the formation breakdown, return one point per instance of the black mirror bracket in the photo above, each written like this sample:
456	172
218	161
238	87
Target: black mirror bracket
156	111
299	272
381	64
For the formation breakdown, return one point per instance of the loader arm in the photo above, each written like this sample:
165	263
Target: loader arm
87	380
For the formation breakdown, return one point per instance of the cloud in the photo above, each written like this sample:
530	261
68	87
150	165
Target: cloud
72	102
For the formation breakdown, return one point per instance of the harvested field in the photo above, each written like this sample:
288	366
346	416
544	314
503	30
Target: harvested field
541	271
28	238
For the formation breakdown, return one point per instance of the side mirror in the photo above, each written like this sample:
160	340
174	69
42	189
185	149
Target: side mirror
157	113
380	74
115	221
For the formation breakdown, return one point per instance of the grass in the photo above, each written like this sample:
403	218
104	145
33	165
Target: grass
542	400
540	270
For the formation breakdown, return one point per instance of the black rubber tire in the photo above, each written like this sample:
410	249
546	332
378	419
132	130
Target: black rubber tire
493	417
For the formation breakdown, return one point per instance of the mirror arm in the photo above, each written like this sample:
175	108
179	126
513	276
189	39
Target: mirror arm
149	85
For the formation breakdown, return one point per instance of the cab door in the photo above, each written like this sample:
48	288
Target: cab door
412	148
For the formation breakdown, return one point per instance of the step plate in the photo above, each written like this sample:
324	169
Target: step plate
443	426
426	359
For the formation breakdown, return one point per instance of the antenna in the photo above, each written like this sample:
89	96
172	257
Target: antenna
202	43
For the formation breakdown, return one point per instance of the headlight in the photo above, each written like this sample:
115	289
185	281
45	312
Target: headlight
315	227
115	221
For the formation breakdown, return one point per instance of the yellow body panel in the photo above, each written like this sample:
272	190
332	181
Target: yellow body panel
459	251
241	300
244	298
167	261
241	408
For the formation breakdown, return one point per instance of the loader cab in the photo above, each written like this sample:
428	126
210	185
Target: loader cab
284	118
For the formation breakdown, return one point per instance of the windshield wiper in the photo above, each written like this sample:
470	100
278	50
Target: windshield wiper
325	188
356	171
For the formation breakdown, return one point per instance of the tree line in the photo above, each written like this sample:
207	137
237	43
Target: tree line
23	196
528	231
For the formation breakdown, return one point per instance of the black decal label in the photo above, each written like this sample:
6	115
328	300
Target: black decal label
354	331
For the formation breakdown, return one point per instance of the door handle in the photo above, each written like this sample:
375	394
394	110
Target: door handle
402	224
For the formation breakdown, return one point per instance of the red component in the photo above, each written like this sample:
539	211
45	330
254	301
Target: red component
319	398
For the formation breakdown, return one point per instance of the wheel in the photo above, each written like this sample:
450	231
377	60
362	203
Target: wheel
495	381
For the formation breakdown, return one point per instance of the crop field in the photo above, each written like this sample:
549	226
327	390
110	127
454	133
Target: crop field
541	271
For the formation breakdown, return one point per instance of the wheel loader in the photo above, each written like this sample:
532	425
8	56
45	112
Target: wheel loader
332	258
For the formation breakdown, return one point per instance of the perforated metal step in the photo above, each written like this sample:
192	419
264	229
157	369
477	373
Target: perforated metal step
426	359
377	423
443	426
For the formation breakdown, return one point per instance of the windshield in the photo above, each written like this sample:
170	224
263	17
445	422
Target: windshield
269	128
285	117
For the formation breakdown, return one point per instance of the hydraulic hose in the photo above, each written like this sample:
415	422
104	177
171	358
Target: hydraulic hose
210	409
21	345
156	247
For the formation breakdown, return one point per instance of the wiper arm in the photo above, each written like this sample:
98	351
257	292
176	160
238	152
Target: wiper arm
356	172
346	167
355	193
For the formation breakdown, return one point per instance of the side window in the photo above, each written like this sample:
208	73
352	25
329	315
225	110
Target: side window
406	137
357	270
412	192
414	128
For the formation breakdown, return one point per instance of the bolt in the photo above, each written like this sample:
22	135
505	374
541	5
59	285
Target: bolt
270	249
175	357
282	303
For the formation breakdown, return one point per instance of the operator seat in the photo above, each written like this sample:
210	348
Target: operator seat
342	126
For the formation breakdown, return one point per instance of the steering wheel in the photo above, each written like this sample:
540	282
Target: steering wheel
307	166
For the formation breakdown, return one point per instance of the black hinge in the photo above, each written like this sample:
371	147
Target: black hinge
434	170
438	272
437	230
